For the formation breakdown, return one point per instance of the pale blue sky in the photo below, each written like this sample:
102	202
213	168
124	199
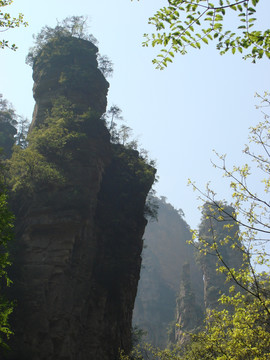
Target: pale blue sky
203	101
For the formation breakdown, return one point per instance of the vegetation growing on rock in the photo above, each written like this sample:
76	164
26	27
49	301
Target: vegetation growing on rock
79	202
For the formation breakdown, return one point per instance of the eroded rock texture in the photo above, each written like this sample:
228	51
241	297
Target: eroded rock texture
189	311
163	258
225	234
68	68
78	244
189	314
178	284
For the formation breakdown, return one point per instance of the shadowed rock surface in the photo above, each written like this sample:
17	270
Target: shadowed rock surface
77	253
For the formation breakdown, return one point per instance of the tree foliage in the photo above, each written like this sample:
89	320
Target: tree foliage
74	26
22	131
13	128
243	328
239	331
193	23
123	134
50	146
239	328
8	22
252	210
105	65
8	137
6	235
8	122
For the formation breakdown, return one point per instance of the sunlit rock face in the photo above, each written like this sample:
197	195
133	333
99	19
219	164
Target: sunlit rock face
215	282
68	67
163	257
190	312
178	284
78	244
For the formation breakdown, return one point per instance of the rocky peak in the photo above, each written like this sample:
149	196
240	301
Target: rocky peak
68	67
77	253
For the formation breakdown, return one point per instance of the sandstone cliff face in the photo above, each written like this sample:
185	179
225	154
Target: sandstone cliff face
163	258
68	68
189	311
78	244
215	282
189	314
178	285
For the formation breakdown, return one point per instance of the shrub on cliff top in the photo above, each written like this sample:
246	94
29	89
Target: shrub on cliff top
74	26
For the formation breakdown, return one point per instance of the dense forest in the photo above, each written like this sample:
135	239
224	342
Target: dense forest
94	265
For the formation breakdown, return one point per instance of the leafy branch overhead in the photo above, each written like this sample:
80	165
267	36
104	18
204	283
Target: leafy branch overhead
184	24
234	240
8	22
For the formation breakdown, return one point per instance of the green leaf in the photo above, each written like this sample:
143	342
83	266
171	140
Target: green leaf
240	49
218	17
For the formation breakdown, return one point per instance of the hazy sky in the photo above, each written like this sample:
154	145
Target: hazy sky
203	101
